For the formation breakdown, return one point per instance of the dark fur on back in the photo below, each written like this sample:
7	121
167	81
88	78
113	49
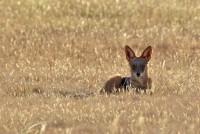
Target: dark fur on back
116	83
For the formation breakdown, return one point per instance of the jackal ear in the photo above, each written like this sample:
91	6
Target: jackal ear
129	53
147	53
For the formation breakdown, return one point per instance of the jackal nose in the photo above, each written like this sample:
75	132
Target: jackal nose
138	74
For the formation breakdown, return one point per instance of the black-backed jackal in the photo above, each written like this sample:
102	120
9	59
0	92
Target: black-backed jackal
139	76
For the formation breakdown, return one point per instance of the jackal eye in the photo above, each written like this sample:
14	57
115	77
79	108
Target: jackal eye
142	67
133	67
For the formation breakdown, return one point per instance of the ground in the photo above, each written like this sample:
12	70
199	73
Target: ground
55	57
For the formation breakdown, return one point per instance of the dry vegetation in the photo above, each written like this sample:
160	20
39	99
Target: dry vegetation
55	56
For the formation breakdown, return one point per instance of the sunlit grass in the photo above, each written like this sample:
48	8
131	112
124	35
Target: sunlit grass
56	55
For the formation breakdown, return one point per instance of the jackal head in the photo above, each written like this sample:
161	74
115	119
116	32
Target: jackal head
138	65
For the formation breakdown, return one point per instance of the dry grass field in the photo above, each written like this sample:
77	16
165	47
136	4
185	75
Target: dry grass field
55	56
